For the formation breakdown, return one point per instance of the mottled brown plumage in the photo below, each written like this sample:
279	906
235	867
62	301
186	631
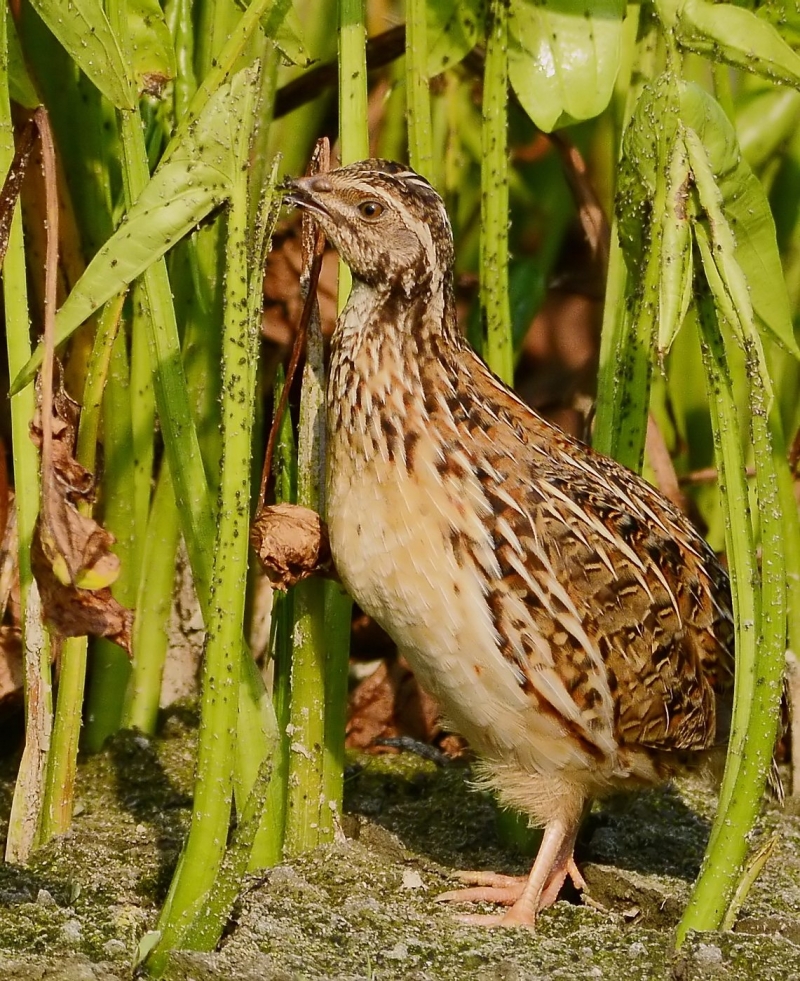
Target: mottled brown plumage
572	623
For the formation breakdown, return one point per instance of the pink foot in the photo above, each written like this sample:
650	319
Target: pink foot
486	887
525	895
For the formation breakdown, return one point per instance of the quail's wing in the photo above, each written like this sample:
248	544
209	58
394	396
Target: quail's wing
611	609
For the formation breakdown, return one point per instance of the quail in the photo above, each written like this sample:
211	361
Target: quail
572	623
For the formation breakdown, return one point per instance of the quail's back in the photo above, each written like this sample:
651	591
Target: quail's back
572	623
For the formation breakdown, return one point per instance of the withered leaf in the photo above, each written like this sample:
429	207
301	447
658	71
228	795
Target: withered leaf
12	184
291	543
11	684
390	703
76	547
71	553
73	611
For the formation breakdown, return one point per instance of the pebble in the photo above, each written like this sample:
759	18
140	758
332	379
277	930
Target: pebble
44	898
72	930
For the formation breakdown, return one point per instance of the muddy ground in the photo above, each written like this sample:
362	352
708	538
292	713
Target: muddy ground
364	908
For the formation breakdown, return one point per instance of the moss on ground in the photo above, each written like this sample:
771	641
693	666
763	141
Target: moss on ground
363	908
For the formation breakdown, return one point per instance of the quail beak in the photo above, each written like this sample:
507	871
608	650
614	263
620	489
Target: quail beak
304	193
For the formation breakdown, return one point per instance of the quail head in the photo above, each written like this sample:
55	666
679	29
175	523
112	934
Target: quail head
571	622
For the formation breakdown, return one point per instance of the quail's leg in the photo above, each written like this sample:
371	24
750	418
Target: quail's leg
525	895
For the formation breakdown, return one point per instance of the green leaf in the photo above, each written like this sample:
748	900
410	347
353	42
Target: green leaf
454	27
738	37
746	211
675	279
563	57
784	16
196	178
20	86
284	30
153	54
282	26
652	197
82	27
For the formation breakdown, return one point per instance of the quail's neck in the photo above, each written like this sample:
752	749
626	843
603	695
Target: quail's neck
387	351
420	322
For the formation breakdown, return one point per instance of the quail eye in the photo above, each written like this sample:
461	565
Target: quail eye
371	209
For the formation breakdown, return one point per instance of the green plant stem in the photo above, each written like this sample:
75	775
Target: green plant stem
418	95
338	614
153	606
494	302
285	468
258	735
110	664
337	606
353	133
625	369
143	430
62	760
740	796
178	15
205	847
308	820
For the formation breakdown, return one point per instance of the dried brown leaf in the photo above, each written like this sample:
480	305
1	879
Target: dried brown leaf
11	686
291	543
76	547
75	612
71	553
390	703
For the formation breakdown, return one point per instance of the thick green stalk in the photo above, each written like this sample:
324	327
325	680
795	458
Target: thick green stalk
143	433
353	133
495	311
740	796
110	664
285	468
337	606
62	759
29	787
625	368
293	136
258	734
308	819
204	850
621	420
153	606
418	94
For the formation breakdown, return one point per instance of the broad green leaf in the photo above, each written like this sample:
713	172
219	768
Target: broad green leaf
717	249
739	37
746	210
767	117
82	27
20	86
153	54
675	279
454	27
647	149
563	57
286	33
195	179
784	16
282	26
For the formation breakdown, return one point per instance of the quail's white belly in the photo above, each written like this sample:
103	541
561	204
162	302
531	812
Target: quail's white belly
390	540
